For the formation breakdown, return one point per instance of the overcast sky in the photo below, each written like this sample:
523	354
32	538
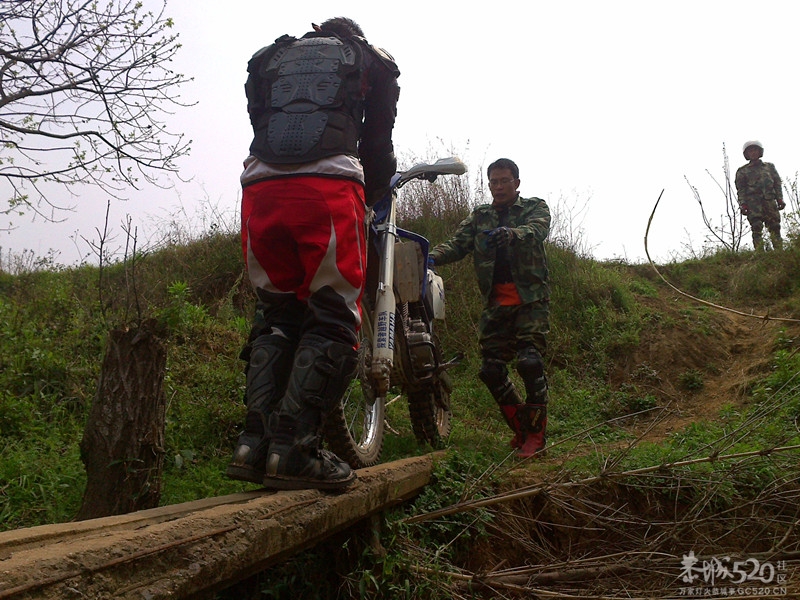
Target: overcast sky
601	104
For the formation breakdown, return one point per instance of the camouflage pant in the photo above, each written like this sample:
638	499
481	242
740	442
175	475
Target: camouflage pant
505	330
765	213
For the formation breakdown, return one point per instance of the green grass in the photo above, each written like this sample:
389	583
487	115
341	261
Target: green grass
50	352
53	326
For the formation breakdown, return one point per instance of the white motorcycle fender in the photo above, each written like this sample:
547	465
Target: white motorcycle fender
436	290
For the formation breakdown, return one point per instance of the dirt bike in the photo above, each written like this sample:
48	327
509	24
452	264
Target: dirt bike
398	345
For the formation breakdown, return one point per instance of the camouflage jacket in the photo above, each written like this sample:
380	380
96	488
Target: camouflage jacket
529	220
758	182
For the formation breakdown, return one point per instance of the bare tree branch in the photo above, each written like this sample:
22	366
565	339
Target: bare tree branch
85	88
730	231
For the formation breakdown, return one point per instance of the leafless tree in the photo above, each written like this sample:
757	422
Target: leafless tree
85	87
566	225
730	230
791	217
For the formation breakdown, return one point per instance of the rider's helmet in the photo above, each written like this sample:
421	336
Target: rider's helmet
755	143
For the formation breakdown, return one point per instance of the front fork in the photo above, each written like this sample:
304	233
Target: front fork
385	307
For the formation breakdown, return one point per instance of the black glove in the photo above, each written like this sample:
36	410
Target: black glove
781	204
500	237
375	196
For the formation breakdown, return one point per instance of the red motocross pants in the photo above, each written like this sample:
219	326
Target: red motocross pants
305	237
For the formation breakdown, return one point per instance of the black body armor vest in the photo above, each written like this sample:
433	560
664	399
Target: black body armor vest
305	99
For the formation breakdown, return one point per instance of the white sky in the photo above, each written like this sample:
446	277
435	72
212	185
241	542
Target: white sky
606	102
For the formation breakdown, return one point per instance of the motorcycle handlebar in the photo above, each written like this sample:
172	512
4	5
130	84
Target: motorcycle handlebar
451	165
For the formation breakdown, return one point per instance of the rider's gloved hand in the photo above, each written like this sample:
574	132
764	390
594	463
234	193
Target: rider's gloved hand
745	209
373	196
500	237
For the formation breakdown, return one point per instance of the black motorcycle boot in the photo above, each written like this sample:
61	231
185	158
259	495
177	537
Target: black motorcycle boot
267	377
299	464
320	374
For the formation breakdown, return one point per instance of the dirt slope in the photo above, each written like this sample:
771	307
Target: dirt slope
697	359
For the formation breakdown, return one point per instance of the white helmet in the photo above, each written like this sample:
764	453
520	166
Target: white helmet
753	143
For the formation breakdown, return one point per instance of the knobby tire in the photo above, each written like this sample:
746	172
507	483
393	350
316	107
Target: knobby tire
428	402
354	430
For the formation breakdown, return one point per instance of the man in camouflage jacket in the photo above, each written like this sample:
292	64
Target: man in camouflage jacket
758	186
506	239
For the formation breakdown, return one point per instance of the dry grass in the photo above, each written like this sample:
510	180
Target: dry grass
557	529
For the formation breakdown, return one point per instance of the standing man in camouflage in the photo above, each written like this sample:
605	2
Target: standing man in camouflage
506	239
758	186
322	108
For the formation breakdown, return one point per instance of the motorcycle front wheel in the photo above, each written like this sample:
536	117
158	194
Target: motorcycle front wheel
354	430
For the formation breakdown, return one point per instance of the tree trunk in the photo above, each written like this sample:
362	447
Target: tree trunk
123	442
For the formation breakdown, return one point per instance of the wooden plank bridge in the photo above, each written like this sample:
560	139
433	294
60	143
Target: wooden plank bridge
191	550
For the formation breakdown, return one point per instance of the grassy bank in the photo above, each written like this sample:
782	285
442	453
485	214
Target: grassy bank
630	363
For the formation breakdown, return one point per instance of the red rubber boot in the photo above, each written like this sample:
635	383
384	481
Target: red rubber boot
510	415
533	425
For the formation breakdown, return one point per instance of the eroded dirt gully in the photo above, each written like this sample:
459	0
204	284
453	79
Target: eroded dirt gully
720	351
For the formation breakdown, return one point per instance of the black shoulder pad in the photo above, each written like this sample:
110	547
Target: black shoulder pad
383	54
255	60
260	52
385	58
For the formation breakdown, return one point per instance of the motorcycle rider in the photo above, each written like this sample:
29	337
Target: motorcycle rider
506	239
322	108
758	187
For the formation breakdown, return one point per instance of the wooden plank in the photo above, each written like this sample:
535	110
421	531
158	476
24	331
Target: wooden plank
184	550
17	539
